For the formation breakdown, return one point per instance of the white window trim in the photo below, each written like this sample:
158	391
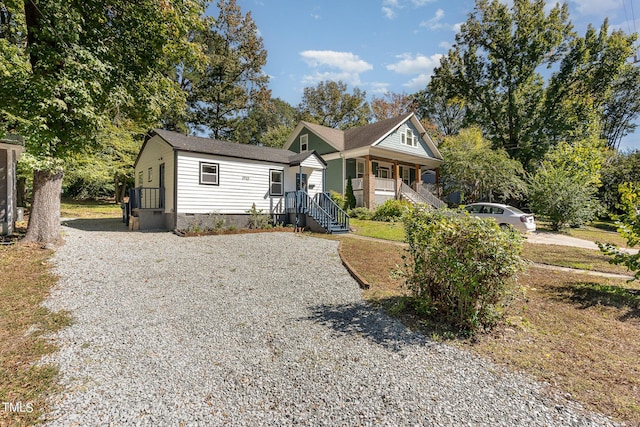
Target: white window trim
150	174
359	163
216	174
409	138
272	182
304	142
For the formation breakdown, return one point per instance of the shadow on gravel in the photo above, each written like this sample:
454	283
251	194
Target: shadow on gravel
363	320
96	224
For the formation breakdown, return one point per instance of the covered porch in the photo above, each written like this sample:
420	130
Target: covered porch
378	179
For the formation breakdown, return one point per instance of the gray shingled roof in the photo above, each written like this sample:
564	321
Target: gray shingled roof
335	137
198	144
367	135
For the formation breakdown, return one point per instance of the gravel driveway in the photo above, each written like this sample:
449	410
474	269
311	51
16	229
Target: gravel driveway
257	329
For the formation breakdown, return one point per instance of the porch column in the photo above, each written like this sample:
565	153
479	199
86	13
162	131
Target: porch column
418	177
396	174
368	184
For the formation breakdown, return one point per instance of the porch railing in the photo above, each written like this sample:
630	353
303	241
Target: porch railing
146	198
338	215
321	208
381	184
425	191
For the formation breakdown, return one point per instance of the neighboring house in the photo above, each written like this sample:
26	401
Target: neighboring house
185	182
385	160
10	149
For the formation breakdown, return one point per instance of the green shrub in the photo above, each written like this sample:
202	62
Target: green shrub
257	218
458	267
391	210
361	213
338	198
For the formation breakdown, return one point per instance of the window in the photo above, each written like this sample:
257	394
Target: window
140	178
209	173
275	182
383	172
359	168
150	174
408	138
304	142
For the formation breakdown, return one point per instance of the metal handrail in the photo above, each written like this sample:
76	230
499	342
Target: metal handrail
146	198
432	199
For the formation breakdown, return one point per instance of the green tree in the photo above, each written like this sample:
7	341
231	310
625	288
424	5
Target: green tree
492	69
329	104
232	82
350	198
621	107
629	227
563	189
69	68
473	168
493	73
579	92
269	123
617	169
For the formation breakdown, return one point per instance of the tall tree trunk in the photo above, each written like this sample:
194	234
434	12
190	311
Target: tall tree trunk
44	219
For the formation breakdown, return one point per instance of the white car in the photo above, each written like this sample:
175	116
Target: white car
504	215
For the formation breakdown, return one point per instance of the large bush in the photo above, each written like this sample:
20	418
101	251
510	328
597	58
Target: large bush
458	267
391	210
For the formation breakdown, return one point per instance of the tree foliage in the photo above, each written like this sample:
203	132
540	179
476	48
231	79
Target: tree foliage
476	170
69	68
492	76
231	83
563	189
269	123
622	106
391	105
330	104
617	169
629	227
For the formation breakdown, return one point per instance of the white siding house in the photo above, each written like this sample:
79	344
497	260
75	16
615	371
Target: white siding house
184	181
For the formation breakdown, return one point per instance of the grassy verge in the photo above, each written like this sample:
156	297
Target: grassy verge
378	229
25	283
567	256
580	334
89	209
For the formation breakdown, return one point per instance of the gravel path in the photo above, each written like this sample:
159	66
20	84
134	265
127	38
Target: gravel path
257	329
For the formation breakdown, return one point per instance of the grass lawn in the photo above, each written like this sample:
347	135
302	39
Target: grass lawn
89	209
378	229
581	334
567	256
25	283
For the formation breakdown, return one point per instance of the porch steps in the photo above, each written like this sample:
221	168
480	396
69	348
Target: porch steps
422	197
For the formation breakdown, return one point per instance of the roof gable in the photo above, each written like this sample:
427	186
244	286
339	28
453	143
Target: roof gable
333	137
373	133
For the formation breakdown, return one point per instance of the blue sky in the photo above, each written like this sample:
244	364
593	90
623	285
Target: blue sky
382	45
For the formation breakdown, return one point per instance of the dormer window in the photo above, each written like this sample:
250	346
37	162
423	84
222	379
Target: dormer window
304	142
408	138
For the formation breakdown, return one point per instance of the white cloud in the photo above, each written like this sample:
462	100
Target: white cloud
434	23
597	8
419	64
388	12
378	88
420	3
332	65
445	45
456	27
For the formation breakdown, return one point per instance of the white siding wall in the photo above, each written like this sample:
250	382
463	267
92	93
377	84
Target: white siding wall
241	183
394	141
156	151
314	178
